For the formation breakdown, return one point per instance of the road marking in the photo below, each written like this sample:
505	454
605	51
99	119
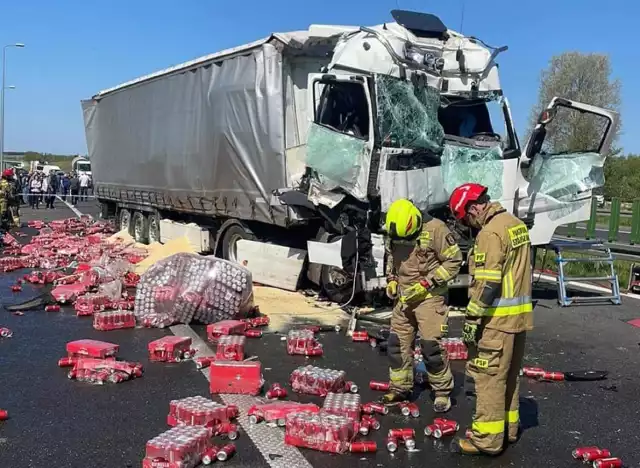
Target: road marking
75	210
268	440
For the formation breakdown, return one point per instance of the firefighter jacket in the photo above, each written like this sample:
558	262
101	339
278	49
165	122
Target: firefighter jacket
434	255
500	291
5	194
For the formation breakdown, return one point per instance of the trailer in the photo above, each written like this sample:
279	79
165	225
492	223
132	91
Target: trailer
284	154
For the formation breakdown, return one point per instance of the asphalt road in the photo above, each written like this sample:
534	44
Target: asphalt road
62	423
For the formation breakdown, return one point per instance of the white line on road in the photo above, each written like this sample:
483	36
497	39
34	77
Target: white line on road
268	440
75	210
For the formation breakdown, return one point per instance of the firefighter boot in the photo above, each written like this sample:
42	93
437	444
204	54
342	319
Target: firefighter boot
394	397
466	447
442	404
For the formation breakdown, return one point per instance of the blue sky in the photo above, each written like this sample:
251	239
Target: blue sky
75	48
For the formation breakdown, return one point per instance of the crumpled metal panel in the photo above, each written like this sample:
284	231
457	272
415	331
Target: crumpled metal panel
209	140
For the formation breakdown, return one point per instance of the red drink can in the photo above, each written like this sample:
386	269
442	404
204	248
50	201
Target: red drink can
351	387
360	336
392	444
607	463
557	376
402	433
226	452
364	427
67	362
409	442
52	308
203	362
579	452
363	446
253	333
595	454
380	386
446	422
313	352
373	422
276	392
444	430
533	371
4	415
430	429
209	455
371	408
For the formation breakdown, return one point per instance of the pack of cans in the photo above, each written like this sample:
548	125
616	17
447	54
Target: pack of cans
230	348
324	432
8	264
278	411
225	327
199	411
88	304
92	348
303	342
170	349
186	287
455	348
114	320
255	322
179	447
238	377
101	371
317	381
343	404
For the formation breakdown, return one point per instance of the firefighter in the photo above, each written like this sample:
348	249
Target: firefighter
498	316
6	191
422	256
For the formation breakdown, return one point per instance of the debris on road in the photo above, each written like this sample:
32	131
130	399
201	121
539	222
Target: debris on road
230	348
275	392
244	377
171	349
100	371
303	342
4	415
317	381
92	348
324	432
181	446
5	332
113	320
199	411
225	327
187	287
278	411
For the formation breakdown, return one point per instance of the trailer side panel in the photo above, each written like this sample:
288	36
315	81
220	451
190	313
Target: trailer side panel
207	141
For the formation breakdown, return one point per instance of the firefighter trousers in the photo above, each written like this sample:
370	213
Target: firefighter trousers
429	318
496	371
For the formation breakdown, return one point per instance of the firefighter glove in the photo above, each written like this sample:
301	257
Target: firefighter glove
416	293
470	331
392	289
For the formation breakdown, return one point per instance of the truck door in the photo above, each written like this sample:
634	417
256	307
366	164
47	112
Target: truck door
340	139
562	163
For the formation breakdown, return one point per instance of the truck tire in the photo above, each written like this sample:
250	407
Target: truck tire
140	227
336	284
231	236
154	228
124	220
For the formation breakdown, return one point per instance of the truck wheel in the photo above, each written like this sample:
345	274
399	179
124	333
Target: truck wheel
125	220
336	284
230	238
140	227
154	228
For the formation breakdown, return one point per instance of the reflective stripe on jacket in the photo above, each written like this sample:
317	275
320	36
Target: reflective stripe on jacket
500	291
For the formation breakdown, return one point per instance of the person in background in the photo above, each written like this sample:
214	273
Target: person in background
25	180
85	180
52	189
66	181
35	187
74	187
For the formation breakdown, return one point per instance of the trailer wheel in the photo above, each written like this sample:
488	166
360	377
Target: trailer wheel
231	236
336	284
125	220
140	227
154	228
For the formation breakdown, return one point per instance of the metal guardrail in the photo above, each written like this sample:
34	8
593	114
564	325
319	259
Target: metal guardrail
613	228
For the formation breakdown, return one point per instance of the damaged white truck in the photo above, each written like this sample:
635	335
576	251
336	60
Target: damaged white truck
289	150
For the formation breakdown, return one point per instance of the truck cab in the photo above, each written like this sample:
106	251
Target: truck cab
411	109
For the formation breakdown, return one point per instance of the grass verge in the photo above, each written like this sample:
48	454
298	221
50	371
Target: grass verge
548	262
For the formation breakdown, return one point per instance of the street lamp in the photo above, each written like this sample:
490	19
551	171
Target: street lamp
2	89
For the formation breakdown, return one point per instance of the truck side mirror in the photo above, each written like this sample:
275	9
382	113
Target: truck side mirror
547	115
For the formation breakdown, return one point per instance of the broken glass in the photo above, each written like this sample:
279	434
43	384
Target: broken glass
563	176
463	164
336	157
408	114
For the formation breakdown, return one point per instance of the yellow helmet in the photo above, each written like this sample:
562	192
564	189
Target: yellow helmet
403	219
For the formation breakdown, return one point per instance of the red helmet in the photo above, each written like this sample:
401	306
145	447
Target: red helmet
7	173
462	195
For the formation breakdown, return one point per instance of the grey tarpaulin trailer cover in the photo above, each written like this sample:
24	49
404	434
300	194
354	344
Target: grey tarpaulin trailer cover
214	136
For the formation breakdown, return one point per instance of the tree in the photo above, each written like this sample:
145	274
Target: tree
579	77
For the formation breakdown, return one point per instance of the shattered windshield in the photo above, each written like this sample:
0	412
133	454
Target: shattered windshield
408	114
478	119
461	164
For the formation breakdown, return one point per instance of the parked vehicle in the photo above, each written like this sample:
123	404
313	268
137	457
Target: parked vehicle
304	139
